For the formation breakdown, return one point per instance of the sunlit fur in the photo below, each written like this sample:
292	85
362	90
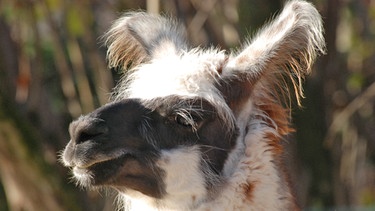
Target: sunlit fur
187	74
249	91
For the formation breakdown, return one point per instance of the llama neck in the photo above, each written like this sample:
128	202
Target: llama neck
255	181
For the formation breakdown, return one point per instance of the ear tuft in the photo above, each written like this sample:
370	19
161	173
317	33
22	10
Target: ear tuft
138	37
124	50
287	46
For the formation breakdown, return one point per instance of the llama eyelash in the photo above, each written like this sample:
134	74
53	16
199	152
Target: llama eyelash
191	128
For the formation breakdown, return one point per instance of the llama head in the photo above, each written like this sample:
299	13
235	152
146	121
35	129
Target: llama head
180	113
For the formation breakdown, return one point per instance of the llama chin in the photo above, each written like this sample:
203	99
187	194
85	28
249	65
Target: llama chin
197	129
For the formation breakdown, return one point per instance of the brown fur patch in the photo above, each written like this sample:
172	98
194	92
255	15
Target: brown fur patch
274	144
248	190
278	114
236	92
193	198
278	118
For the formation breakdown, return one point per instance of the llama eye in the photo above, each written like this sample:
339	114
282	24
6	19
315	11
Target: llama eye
183	121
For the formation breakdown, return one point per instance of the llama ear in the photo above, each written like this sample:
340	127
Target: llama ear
139	37
286	47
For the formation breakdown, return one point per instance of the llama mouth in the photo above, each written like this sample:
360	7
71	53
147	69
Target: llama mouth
99	172
105	172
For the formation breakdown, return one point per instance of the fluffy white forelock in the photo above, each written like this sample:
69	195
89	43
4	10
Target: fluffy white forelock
188	75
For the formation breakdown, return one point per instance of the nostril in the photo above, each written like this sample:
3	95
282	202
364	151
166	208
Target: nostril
88	128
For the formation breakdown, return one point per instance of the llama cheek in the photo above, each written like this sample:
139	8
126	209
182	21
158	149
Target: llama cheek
184	180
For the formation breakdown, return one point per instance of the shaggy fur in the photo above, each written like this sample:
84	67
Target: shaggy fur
197	129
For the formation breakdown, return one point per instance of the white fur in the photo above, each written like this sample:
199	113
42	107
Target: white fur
184	182
191	74
82	176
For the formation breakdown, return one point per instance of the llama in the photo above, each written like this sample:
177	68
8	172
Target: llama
192	128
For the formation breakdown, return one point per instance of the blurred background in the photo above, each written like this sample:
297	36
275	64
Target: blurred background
53	69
